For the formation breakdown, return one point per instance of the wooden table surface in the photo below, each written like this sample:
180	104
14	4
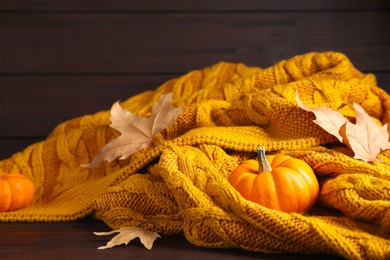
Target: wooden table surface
75	240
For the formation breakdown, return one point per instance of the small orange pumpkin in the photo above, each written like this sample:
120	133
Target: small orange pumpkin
278	182
16	191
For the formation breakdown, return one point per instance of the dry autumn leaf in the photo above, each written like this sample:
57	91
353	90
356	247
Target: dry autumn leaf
137	132
365	138
127	234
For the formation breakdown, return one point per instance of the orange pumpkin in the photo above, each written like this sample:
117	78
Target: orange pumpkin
278	182
16	191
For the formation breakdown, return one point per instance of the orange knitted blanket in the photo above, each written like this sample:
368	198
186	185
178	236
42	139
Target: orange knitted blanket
179	183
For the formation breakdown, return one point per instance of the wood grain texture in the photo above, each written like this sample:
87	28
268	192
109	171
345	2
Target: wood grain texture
75	240
190	5
95	43
34	105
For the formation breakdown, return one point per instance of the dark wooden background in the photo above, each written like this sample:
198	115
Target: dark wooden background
63	59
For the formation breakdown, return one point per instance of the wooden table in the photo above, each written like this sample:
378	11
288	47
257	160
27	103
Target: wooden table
75	240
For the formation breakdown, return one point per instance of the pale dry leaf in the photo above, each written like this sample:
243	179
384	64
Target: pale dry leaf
137	132
327	118
365	138
127	234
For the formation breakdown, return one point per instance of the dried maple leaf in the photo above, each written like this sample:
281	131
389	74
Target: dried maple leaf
127	234
137	132
365	138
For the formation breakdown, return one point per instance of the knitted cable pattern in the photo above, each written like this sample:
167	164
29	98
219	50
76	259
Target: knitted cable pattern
179	184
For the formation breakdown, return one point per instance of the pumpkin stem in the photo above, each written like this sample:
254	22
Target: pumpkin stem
263	163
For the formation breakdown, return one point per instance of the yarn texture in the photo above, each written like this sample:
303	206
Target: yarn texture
178	185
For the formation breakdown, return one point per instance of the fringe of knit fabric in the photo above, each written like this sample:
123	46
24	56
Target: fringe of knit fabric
179	184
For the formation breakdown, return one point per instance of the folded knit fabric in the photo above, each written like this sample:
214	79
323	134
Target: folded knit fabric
178	185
